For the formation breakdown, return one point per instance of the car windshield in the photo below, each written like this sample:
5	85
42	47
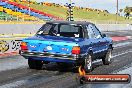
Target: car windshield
64	30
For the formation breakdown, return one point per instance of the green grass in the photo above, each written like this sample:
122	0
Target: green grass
79	14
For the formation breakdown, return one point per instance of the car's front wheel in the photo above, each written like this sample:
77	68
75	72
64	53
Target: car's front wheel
107	59
35	64
88	63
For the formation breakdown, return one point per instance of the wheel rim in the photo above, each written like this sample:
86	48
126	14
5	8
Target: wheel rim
109	55
89	62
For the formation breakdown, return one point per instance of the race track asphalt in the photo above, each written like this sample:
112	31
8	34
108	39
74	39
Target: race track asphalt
14	71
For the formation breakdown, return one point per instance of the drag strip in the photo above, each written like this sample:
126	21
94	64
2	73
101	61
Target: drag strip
72	82
23	77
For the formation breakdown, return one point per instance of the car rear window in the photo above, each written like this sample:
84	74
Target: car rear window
65	30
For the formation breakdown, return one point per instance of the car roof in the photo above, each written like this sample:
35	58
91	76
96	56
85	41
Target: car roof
70	22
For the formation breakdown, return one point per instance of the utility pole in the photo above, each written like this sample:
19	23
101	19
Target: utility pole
70	2
117	9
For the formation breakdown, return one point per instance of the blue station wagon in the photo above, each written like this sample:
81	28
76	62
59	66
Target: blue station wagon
78	43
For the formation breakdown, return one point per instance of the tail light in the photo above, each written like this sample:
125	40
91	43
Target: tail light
76	50
24	46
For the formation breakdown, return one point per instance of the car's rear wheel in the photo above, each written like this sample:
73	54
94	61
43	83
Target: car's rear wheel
35	64
107	59
88	63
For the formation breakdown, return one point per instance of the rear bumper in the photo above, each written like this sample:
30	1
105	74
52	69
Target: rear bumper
50	57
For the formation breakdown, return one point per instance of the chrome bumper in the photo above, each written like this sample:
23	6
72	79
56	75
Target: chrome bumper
48	55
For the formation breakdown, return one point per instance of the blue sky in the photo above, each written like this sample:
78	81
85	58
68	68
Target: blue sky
109	5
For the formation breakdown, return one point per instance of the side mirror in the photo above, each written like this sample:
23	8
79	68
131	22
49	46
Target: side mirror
104	35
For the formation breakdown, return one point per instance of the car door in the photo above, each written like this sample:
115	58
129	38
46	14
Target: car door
93	40
102	44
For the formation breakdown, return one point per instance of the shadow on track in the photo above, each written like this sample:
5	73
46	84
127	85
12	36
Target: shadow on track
61	67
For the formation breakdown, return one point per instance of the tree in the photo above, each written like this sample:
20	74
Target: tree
127	11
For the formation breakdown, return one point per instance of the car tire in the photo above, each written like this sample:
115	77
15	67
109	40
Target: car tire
107	59
31	64
39	65
88	63
35	64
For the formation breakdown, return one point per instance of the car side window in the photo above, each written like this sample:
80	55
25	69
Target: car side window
55	30
90	31
97	32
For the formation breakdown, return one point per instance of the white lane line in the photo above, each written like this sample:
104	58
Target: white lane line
121	54
116	46
96	61
99	60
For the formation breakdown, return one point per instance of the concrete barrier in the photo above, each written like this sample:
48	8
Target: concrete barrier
33	28
114	27
19	28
